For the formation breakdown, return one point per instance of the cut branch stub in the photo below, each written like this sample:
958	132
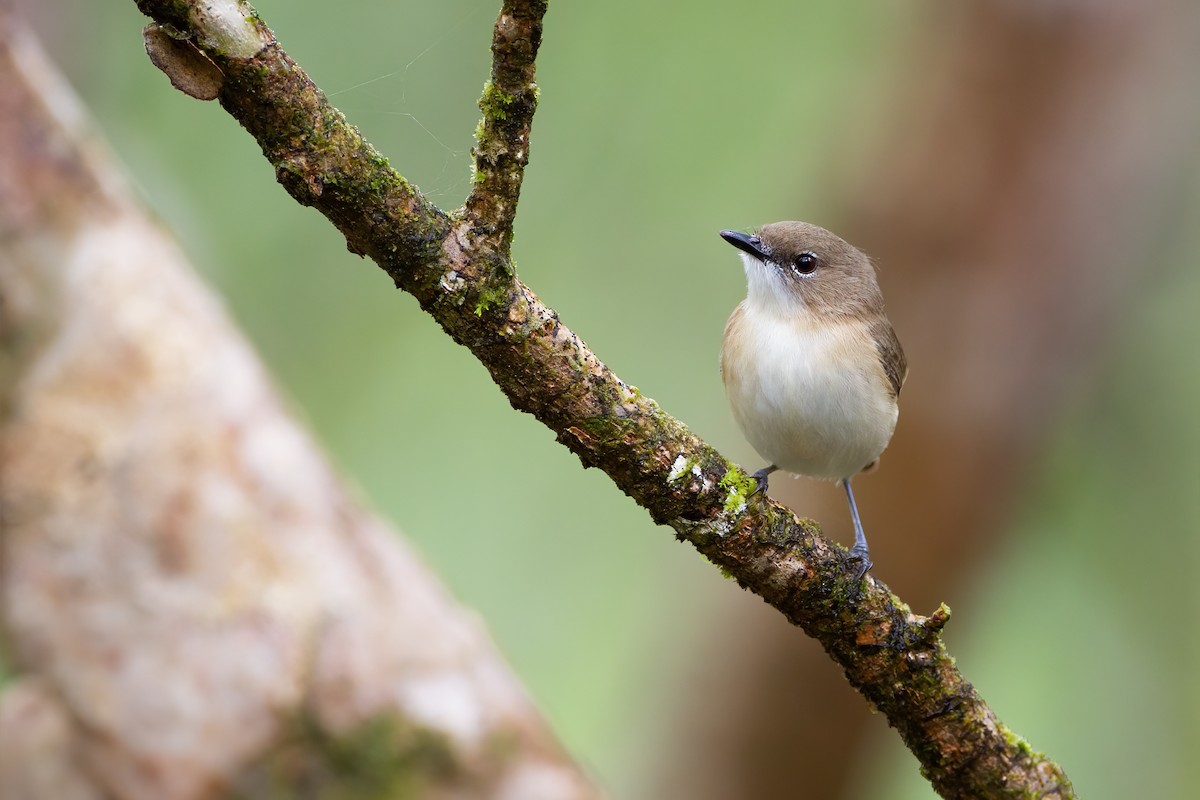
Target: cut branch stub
189	70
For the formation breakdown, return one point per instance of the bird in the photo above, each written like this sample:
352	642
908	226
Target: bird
811	364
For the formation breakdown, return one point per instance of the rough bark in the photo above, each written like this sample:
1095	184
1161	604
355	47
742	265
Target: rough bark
195	606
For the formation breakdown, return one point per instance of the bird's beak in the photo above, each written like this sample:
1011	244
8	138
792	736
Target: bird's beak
746	243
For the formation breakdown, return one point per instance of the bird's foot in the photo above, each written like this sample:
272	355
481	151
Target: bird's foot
761	479
860	555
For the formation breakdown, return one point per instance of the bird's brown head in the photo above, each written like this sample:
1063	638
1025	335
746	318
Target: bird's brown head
795	265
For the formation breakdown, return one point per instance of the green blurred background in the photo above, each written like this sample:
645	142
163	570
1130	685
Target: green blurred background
659	125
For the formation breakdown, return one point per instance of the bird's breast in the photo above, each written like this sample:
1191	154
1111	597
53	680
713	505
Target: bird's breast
810	396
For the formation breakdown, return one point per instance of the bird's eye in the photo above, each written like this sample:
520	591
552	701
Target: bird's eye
806	262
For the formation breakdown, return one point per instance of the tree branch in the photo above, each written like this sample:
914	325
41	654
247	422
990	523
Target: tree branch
457	266
508	102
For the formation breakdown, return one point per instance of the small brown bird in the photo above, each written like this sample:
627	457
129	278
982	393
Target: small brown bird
811	365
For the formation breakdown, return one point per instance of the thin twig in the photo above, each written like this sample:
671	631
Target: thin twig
508	102
458	268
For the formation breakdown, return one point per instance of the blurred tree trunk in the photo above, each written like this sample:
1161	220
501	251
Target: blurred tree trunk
1026	165
193	605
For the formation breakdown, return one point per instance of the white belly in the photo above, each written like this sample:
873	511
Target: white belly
811	400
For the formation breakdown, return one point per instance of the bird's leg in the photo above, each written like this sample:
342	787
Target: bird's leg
760	479
859	550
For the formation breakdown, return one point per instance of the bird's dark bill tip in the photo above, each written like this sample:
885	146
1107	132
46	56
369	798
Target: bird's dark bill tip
745	242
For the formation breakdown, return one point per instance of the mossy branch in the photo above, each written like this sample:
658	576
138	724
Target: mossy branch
457	265
502	139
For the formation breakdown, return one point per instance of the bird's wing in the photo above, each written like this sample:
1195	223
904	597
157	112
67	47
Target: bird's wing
891	354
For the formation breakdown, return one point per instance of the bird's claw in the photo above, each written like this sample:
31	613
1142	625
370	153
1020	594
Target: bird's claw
864	563
760	481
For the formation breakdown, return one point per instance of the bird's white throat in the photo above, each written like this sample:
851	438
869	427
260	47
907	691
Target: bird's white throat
767	291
